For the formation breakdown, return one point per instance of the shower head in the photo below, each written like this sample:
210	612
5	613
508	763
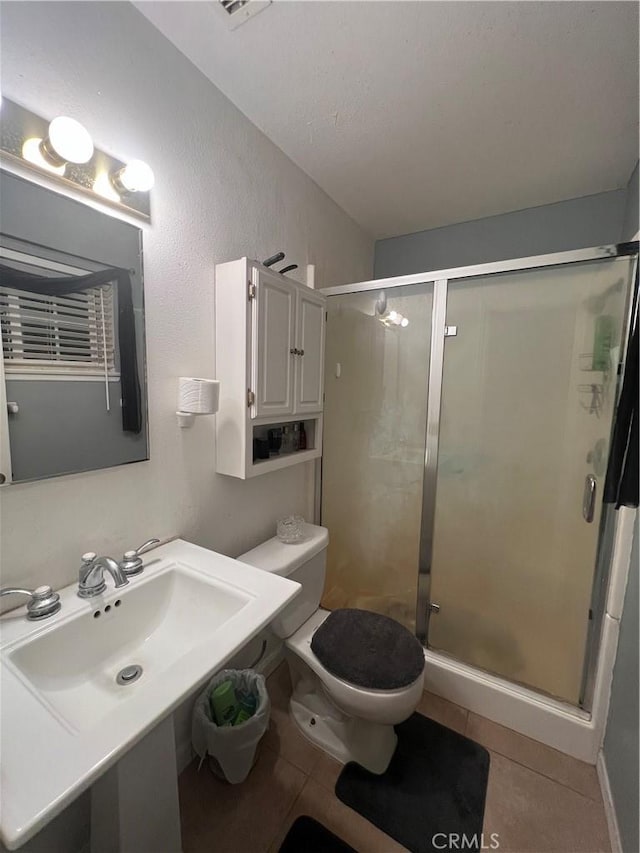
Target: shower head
381	302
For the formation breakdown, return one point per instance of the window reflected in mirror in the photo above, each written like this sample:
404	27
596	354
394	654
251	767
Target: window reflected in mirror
72	327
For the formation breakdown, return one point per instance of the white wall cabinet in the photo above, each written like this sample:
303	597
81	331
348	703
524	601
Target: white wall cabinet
273	326
270	333
310	330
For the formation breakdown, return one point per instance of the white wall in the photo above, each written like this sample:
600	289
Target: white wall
223	190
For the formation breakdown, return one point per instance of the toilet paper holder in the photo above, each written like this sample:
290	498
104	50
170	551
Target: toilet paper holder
196	397
185	419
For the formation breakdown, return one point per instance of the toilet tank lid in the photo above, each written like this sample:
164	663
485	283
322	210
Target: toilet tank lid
282	558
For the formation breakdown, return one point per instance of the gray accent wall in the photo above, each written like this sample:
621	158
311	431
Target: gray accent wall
621	742
79	434
579	223
630	225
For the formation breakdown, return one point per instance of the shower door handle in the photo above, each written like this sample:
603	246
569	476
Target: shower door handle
589	498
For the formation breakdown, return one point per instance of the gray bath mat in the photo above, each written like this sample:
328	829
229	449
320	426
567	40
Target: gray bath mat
435	786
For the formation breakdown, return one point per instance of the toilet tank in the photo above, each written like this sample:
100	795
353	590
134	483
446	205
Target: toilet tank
305	562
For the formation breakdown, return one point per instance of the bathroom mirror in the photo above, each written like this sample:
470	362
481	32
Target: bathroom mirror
72	327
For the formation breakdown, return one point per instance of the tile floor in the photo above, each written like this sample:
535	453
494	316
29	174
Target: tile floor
538	800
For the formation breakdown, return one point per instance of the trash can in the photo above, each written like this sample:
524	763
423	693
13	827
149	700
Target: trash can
229	718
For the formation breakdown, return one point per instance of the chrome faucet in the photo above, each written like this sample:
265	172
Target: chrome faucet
43	601
91	578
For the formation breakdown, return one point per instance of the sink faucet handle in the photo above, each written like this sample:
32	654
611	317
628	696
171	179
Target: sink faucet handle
145	547
43	601
131	563
87	566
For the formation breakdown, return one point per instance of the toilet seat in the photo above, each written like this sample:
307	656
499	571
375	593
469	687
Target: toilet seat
368	649
381	706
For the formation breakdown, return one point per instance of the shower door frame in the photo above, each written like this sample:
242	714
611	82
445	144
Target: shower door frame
440	279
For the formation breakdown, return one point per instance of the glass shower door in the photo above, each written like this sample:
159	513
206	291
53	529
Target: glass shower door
528	393
376	378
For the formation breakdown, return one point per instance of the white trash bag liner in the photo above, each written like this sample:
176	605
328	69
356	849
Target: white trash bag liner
232	747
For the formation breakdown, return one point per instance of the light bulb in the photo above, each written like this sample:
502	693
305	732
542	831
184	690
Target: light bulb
393	315
404	322
68	141
32	151
135	177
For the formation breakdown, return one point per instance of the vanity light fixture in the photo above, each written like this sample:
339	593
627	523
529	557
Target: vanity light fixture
32	153
135	177
63	150
103	186
67	142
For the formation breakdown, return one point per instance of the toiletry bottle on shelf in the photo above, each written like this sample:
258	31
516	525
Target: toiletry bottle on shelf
303	437
296	437
604	338
275	440
286	440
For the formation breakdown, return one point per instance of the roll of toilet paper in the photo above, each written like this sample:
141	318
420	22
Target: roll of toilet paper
198	396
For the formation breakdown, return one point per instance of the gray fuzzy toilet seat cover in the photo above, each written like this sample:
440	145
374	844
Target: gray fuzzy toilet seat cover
368	649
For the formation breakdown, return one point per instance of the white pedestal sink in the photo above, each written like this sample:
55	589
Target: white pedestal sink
134	805
64	708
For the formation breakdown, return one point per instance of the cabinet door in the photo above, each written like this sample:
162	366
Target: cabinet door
273	361
310	329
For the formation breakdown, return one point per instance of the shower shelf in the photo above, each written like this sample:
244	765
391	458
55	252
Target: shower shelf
595	391
585	364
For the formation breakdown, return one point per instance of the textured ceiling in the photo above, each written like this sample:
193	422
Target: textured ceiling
413	115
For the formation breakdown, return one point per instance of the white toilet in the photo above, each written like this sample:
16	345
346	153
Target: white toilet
350	721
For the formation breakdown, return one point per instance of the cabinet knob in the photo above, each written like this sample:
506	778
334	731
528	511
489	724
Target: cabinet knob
301	352
293	351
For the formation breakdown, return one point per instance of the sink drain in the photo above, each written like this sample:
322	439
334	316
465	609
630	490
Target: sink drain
129	674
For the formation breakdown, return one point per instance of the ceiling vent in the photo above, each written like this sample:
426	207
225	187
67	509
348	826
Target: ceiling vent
237	12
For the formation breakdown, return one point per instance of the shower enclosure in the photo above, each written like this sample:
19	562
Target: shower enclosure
468	417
